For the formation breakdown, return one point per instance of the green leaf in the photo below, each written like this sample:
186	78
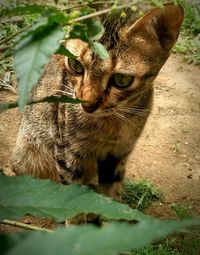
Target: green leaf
90	240
37	26
99	50
58	17
63	51
31	54
85	10
95	29
79	31
26	195
89	31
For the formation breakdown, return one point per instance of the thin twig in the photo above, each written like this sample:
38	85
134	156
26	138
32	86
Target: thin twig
24	226
66	9
92	15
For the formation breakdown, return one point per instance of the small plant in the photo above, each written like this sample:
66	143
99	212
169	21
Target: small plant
175	147
189	42
139	195
158	249
191	22
182	212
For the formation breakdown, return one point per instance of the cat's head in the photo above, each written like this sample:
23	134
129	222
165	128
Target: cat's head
138	48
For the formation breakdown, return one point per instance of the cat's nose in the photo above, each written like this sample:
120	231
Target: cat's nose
92	107
89	109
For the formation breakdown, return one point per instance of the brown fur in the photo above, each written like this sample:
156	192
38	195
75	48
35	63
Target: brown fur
70	143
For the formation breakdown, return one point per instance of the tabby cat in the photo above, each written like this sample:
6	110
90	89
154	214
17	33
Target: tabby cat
89	142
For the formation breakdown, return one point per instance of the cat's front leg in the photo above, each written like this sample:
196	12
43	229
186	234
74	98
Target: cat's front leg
111	173
34	159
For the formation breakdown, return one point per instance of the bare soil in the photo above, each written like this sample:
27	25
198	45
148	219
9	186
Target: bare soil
168	152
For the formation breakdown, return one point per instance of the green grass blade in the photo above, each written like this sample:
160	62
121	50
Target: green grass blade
49	99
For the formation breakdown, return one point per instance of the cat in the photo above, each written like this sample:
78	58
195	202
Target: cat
89	143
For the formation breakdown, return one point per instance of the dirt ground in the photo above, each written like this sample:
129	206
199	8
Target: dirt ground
168	152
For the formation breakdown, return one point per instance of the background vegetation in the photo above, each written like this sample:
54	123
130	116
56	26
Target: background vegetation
189	42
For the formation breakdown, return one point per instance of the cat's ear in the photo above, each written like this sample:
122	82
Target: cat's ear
161	23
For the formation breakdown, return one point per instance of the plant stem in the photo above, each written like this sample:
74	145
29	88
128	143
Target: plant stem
24	226
92	15
85	4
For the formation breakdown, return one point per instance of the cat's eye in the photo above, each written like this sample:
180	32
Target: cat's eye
76	66
122	80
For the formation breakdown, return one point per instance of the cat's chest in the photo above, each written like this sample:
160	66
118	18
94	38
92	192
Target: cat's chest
99	136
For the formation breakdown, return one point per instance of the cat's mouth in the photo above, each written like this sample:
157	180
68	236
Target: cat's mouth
89	109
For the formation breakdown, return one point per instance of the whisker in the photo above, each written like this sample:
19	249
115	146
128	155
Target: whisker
133	110
123	118
61	92
70	89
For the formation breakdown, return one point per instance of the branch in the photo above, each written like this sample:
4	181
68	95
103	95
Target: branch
92	15
85	4
24	226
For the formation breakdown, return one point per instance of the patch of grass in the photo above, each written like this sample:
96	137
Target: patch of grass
191	22
175	147
189	243
189	41
189	47
7	30
165	248
139	195
158	249
5	65
182	212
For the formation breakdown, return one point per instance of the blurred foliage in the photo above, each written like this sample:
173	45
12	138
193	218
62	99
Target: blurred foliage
189	41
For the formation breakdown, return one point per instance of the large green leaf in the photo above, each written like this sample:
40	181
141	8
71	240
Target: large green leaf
90	240
32	53
26	195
